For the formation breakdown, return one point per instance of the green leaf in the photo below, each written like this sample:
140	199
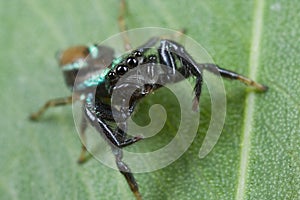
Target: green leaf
257	155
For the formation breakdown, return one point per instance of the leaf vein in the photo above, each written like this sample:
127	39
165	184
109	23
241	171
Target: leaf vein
250	100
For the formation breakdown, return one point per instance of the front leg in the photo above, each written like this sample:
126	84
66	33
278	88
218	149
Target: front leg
117	140
103	128
125	170
169	51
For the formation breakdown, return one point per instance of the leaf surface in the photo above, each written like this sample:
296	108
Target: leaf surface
257	155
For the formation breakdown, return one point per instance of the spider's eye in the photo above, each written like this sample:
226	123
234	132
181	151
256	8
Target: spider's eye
131	62
111	75
152	58
121	69
137	53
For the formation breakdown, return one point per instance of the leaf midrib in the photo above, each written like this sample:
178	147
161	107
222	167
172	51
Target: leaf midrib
250	100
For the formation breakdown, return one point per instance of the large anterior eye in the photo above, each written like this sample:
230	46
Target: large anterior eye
121	69
131	62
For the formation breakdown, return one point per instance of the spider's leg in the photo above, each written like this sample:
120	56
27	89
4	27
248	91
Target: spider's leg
117	139
233	75
147	45
197	90
125	170
154	40
122	25
168	52
51	103
98	121
83	157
